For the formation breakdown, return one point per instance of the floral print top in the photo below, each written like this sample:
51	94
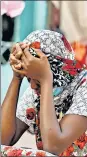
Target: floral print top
10	151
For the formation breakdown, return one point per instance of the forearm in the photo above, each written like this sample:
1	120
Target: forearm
8	113
50	129
57	136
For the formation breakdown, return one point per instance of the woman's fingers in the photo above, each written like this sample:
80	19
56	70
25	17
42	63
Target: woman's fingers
18	55
39	53
24	66
14	52
13	60
27	53
19	51
13	48
20	72
24	45
24	60
18	66
21	65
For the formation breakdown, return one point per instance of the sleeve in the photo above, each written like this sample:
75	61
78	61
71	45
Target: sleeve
56	4
26	108
79	105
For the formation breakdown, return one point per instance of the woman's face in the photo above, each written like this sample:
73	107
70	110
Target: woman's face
35	85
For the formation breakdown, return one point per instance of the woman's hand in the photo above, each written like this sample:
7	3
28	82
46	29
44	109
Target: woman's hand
35	68
15	56
16	49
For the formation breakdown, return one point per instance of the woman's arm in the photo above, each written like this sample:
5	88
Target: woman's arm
8	112
56	136
11	127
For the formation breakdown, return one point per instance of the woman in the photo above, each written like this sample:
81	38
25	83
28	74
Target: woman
63	130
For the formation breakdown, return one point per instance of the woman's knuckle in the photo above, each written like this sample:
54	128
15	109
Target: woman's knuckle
44	57
25	49
27	64
30	60
26	67
12	57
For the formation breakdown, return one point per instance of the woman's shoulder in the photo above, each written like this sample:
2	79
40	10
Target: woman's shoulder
79	100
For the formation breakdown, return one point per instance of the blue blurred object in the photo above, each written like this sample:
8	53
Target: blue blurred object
57	91
32	18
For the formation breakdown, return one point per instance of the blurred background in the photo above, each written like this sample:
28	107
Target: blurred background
16	25
19	18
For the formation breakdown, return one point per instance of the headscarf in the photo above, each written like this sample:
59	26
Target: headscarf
59	53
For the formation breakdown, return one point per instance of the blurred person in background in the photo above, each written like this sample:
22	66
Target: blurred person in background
63	96
71	18
9	10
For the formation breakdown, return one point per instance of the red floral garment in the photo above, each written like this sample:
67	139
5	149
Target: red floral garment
13	151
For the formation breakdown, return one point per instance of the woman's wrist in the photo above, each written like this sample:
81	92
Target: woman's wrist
48	77
18	79
48	81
